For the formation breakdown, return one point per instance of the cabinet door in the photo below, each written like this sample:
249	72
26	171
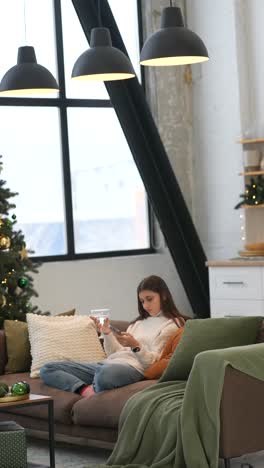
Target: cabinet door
236	308
236	283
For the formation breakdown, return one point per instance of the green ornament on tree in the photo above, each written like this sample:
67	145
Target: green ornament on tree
9	223
22	282
13	216
20	388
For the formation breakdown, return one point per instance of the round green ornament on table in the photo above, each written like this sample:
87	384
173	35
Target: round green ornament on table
20	388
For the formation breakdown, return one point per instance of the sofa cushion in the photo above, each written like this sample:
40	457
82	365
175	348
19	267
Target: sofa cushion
54	339
17	346
67	313
63	401
260	335
104	408
2	352
120	324
205	334
156	369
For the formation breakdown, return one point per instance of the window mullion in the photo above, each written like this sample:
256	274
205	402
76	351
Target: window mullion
64	130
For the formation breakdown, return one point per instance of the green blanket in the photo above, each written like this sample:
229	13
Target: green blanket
177	425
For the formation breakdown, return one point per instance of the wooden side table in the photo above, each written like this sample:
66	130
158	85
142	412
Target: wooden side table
34	400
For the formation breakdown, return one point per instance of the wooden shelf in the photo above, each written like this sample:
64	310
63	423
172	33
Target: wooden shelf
251	173
251	140
252	206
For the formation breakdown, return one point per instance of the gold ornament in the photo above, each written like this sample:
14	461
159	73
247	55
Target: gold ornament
23	253
2	300
5	242
1	222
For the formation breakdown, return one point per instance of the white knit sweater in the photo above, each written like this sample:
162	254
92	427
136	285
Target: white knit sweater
152	333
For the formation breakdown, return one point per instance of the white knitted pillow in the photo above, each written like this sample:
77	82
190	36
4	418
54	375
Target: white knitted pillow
62	339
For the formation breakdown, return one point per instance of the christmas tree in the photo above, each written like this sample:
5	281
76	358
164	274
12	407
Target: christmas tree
254	193
16	284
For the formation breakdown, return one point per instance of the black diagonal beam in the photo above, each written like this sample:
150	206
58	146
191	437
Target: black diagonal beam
154	167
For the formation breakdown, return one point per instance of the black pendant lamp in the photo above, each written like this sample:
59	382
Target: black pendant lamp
173	44
27	77
102	62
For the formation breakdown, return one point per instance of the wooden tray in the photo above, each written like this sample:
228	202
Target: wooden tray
9	398
257	246
251	253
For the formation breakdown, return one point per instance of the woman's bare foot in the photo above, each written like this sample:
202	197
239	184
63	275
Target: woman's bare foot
87	391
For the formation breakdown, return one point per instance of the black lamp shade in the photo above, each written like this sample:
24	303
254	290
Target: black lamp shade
173	44
102	62
27	77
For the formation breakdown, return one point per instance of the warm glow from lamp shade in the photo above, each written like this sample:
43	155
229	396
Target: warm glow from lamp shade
102	62
170	61
27	77
173	44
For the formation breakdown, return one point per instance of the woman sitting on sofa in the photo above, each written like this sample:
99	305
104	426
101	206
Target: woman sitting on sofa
129	353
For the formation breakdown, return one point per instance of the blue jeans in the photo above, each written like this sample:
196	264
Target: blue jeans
71	376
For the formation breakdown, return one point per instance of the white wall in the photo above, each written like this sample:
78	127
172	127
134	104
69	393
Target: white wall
217	158
250	37
104	283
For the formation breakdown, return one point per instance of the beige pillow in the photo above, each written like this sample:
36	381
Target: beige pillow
62	339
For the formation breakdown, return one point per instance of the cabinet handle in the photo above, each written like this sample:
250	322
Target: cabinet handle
233	282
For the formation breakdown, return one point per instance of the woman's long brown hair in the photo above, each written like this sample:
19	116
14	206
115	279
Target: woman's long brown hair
169	309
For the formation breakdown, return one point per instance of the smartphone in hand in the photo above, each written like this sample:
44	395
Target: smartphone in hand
115	329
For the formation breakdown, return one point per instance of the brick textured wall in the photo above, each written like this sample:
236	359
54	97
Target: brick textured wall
169	93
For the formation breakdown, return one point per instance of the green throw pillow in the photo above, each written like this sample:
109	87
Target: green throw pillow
17	347
213	333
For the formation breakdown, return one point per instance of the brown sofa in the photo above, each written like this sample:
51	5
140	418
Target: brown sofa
94	421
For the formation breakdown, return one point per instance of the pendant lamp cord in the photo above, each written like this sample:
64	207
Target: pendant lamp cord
25	23
171	3
99	13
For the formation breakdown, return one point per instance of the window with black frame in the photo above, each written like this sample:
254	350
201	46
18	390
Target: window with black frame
80	193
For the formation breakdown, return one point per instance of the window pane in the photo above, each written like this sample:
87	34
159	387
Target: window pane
34	28
30	145
75	43
109	200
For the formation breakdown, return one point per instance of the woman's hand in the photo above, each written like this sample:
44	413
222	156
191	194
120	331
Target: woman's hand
125	339
97	323
105	327
99	327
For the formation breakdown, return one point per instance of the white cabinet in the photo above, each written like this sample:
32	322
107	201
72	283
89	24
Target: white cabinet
236	288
